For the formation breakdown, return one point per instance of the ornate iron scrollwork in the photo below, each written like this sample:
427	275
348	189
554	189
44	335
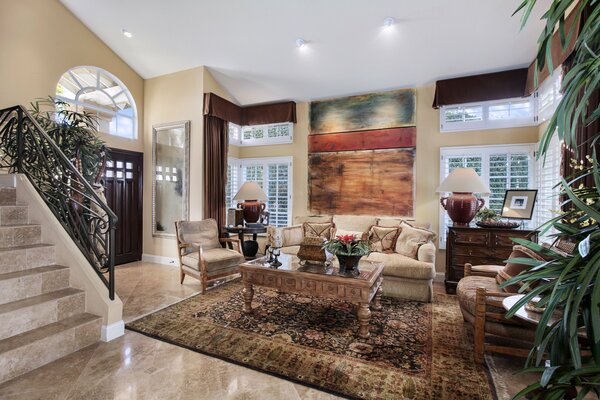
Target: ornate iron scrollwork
27	149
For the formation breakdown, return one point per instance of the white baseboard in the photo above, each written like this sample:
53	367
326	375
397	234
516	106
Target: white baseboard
159	259
439	277
112	331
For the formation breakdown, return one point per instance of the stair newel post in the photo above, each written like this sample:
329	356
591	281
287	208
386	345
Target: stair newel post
111	259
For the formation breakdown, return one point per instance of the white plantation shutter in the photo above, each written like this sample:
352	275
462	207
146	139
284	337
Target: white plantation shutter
278	184
501	167
548	206
273	175
507	171
233	177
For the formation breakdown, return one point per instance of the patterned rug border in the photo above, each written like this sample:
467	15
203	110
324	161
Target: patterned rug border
225	358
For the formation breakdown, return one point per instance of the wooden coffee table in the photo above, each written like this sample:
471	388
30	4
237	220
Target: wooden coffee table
317	281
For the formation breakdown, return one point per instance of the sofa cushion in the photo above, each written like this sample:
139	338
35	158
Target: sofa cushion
323	230
392	222
513	269
215	259
360	223
403	267
411	238
299	220
382	239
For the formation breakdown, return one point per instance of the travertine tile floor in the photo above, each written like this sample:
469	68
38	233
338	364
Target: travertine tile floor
137	367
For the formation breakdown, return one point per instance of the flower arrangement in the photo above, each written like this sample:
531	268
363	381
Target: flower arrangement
347	245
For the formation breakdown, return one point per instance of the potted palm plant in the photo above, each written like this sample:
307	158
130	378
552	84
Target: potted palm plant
566	353
348	250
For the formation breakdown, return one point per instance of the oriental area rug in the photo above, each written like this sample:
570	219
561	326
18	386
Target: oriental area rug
416	350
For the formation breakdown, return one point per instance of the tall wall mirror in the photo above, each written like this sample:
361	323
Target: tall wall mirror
170	181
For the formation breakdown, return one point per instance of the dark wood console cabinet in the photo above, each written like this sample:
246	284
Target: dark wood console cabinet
478	246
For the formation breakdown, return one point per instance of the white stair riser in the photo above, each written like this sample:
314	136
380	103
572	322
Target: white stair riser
41	352
22	235
14	215
33	285
12	260
28	318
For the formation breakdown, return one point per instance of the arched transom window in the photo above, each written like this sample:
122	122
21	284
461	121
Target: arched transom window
100	93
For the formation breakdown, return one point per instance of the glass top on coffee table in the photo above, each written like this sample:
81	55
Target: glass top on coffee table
291	263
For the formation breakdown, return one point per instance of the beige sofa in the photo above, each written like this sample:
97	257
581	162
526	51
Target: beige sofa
403	277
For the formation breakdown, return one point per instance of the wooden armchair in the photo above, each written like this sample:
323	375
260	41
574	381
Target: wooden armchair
480	298
201	253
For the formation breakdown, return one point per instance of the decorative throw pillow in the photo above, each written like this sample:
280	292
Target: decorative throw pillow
323	230
382	239
512	269
411	238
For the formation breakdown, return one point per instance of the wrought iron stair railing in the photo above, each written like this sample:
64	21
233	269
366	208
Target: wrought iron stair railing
27	149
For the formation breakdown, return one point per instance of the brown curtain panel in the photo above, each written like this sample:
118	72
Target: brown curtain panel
216	142
484	87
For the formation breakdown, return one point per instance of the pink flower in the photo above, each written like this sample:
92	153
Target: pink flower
346	238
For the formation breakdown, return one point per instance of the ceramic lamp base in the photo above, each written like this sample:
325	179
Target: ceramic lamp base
462	207
252	210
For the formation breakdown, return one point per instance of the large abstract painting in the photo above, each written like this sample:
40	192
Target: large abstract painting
391	109
362	154
372	182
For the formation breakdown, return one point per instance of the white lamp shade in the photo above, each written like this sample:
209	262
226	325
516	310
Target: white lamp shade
463	180
250	191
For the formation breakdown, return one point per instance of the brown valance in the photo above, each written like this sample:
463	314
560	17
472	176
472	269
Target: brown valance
270	113
216	106
558	51
484	87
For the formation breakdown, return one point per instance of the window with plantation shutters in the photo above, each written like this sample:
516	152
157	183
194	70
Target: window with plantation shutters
548	177
274	176
501	167
261	135
232	186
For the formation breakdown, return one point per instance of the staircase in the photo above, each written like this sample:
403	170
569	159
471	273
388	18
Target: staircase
42	318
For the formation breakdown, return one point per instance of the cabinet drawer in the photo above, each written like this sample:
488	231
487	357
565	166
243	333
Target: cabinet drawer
471	251
502	239
460	261
472	238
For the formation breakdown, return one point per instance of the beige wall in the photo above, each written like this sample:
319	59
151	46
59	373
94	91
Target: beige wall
429	141
170	98
41	40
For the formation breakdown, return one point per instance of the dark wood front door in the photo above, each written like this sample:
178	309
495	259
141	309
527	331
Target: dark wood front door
123	182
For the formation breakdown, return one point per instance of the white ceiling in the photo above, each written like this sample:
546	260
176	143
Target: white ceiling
249	46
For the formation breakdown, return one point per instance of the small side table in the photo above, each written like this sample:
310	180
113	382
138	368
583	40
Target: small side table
249	247
526	315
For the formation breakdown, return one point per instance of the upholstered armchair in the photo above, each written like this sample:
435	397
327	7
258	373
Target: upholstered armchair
480	297
201	254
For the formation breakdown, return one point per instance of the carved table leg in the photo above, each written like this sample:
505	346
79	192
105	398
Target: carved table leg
377	299
364	315
248	293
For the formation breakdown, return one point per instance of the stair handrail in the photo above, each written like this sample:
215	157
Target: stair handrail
80	210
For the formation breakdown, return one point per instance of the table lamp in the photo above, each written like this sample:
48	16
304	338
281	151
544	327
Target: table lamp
462	205
253	197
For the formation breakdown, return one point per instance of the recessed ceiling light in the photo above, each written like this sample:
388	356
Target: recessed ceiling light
300	43
389	22
126	33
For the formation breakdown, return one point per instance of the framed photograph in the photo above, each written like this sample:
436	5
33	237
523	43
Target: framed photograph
518	204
